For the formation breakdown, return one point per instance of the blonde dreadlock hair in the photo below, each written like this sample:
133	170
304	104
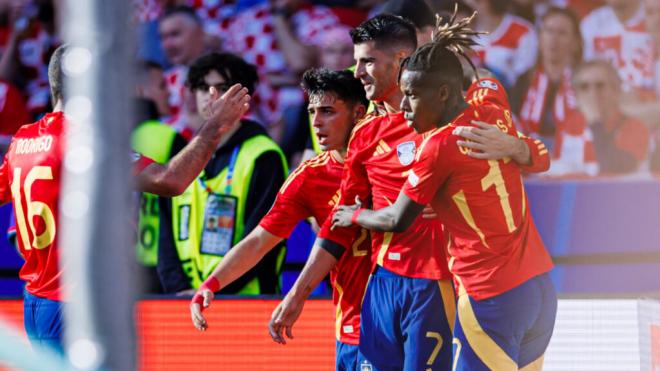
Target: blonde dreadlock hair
451	39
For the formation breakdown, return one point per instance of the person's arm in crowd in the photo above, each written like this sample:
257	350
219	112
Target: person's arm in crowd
488	142
172	178
170	270
317	267
298	56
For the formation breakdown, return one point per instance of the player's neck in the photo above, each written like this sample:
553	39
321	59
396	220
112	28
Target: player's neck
452	112
393	102
338	155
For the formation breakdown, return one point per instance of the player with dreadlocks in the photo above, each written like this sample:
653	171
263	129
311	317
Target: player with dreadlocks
507	303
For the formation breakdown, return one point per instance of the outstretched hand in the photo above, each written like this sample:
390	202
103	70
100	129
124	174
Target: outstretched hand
224	111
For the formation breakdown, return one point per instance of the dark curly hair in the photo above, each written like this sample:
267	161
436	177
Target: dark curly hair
451	40
319	81
232	68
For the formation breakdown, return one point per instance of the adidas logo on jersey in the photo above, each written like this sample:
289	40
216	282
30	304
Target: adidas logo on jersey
34	145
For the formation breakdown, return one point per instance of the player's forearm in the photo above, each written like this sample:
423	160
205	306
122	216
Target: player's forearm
383	220
173	178
245	255
318	266
521	154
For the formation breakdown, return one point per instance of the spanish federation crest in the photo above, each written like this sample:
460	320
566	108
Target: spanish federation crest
406	153
488	84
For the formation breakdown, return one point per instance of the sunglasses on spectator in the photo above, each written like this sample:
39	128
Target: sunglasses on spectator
588	85
221	87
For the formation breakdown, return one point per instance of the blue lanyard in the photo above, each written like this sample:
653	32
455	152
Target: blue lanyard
230	172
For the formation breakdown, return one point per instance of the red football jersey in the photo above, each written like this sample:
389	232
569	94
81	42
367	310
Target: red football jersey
490	91
30	177
312	190
380	155
494	245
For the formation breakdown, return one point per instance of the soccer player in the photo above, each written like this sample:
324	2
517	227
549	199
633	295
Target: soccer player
507	303
30	176
337	102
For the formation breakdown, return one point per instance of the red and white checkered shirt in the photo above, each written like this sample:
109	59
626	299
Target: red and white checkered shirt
252	36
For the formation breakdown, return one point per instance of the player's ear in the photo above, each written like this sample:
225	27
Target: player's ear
444	92
359	111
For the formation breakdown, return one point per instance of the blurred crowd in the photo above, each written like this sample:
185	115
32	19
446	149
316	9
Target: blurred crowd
582	75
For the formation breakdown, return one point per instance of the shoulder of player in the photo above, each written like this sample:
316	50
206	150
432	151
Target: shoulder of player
307	170
434	139
366	126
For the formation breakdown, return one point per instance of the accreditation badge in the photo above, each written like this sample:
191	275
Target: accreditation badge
219	224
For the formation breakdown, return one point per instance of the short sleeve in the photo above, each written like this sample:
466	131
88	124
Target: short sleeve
540	157
289	207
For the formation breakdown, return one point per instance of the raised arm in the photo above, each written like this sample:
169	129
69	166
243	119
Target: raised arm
173	178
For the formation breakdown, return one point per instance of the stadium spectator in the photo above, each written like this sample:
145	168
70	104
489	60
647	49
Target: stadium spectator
336	48
616	33
543	96
510	47
27	40
599	139
182	39
229	197
652	12
281	38
152	86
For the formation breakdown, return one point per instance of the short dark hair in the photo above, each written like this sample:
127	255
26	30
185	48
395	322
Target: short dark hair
319	81
181	10
416	11
385	30
55	73
232	68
